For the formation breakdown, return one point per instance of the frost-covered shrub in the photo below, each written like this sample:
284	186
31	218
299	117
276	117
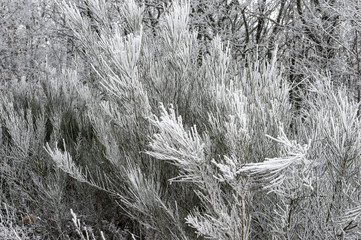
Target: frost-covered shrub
161	142
233	108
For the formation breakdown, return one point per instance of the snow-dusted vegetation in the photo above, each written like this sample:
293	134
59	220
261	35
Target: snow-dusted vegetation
175	119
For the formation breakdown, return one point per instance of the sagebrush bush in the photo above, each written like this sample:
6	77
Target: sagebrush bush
157	144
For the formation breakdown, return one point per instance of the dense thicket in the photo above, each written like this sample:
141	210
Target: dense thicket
180	119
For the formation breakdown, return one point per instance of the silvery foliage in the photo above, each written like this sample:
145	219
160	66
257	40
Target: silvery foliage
8	227
221	182
293	182
334	125
29	183
84	232
115	56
